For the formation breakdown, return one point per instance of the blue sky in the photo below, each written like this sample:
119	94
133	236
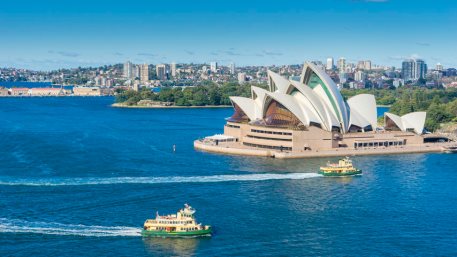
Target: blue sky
50	34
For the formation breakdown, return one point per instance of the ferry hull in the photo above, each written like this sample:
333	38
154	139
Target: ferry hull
161	233
336	174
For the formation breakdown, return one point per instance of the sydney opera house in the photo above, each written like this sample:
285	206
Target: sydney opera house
310	118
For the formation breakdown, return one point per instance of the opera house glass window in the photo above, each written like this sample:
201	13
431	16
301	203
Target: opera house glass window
239	116
279	116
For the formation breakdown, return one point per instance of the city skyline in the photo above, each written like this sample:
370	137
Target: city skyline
50	35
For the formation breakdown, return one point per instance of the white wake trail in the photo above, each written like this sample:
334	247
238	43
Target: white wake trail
21	226
153	180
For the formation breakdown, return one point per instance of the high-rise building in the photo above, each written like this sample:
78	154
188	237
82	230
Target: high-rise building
343	77
364	65
232	68
136	86
439	67
359	76
136	71
367	65
413	69
161	71
144	73
128	70
213	67
342	64
173	69
241	77
407	70
361	65
329	65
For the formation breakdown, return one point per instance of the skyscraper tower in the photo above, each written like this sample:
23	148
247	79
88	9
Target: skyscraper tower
330	64
128	70
420	69
144	73
367	65
173	69
439	67
161	71
341	64
413	69
232	68
213	67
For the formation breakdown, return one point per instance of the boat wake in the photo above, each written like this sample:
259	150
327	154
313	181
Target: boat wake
21	226
152	180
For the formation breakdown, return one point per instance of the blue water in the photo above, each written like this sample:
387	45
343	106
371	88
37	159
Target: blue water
78	178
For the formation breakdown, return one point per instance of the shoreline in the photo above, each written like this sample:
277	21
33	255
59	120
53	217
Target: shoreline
234	150
120	105
31	96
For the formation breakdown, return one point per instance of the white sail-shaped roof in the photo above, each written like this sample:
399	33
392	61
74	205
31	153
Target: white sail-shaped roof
363	105
247	105
327	90
277	82
415	120
292	105
395	119
411	121
358	120
258	95
307	108
316	99
327	119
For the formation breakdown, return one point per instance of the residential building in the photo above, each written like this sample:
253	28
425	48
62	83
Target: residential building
414	69
361	65
343	77
144	73
173	69
367	65
439	67
213	67
161	71
241	77
364	65
342	64
136	72
136	86
232	68
360	76
330	64
128	70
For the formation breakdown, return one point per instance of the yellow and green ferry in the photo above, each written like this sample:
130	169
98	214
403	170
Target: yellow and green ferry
343	168
181	224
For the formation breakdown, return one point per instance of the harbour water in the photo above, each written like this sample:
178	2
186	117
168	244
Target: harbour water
78	178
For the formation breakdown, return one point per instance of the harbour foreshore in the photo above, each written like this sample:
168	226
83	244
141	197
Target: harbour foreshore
122	105
236	149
